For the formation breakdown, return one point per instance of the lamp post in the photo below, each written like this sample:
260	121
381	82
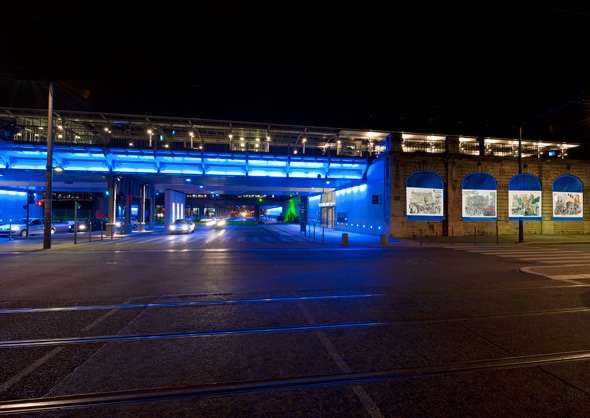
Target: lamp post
577	99
48	174
142	210
150	133
520	222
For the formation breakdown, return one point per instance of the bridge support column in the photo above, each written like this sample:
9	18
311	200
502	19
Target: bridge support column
141	226
111	227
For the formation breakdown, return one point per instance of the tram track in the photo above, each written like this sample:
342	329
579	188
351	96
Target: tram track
80	401
239	332
302	327
87	400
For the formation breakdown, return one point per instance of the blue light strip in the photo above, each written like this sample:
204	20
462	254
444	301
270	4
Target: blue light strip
170	162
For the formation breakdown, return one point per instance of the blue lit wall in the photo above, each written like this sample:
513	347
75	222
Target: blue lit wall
11	206
363	208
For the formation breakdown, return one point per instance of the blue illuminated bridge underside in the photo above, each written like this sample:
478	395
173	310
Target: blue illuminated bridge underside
88	169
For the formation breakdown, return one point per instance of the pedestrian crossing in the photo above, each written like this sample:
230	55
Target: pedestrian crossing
542	255
228	239
568	265
273	239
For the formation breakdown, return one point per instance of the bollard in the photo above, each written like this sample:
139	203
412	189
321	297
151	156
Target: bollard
344	239
384	240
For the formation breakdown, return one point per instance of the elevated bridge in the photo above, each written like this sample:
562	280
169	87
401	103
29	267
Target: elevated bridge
186	155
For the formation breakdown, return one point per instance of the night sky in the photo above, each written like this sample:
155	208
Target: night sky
478	69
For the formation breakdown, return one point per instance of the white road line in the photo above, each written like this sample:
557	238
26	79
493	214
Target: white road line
372	409
39	362
24	372
544	257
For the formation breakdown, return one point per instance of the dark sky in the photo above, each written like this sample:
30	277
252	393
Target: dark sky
473	70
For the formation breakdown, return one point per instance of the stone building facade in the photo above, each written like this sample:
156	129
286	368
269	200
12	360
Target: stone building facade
453	167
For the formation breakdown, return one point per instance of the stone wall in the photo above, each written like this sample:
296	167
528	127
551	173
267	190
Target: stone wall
453	167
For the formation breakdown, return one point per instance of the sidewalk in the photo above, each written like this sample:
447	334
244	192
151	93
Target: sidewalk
513	239
336	237
341	238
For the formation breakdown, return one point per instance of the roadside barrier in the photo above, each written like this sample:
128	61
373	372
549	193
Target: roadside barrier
344	239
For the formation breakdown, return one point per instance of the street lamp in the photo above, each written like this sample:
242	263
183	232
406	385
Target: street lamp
48	174
578	99
150	133
520	222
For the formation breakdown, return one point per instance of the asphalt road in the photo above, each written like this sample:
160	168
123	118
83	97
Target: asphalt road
263	321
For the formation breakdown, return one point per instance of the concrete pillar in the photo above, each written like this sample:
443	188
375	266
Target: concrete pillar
452	144
141	226
111	227
481	146
396	142
152	207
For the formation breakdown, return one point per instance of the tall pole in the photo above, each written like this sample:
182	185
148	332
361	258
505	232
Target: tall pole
48	174
578	99
520	223
141	213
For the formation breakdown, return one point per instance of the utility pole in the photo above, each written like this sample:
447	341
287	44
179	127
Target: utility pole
578	99
520	222
48	174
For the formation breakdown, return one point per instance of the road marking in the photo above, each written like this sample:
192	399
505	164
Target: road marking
360	392
26	371
39	362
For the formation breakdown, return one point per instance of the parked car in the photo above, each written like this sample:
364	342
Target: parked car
89	224
133	222
36	226
182	226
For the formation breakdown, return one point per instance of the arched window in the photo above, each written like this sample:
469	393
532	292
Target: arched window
424	196
524	198
568	198
479	197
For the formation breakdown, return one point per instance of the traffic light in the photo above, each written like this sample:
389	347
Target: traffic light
31	198
40	203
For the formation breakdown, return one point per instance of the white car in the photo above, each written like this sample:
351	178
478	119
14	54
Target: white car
133	222
18	227
182	226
